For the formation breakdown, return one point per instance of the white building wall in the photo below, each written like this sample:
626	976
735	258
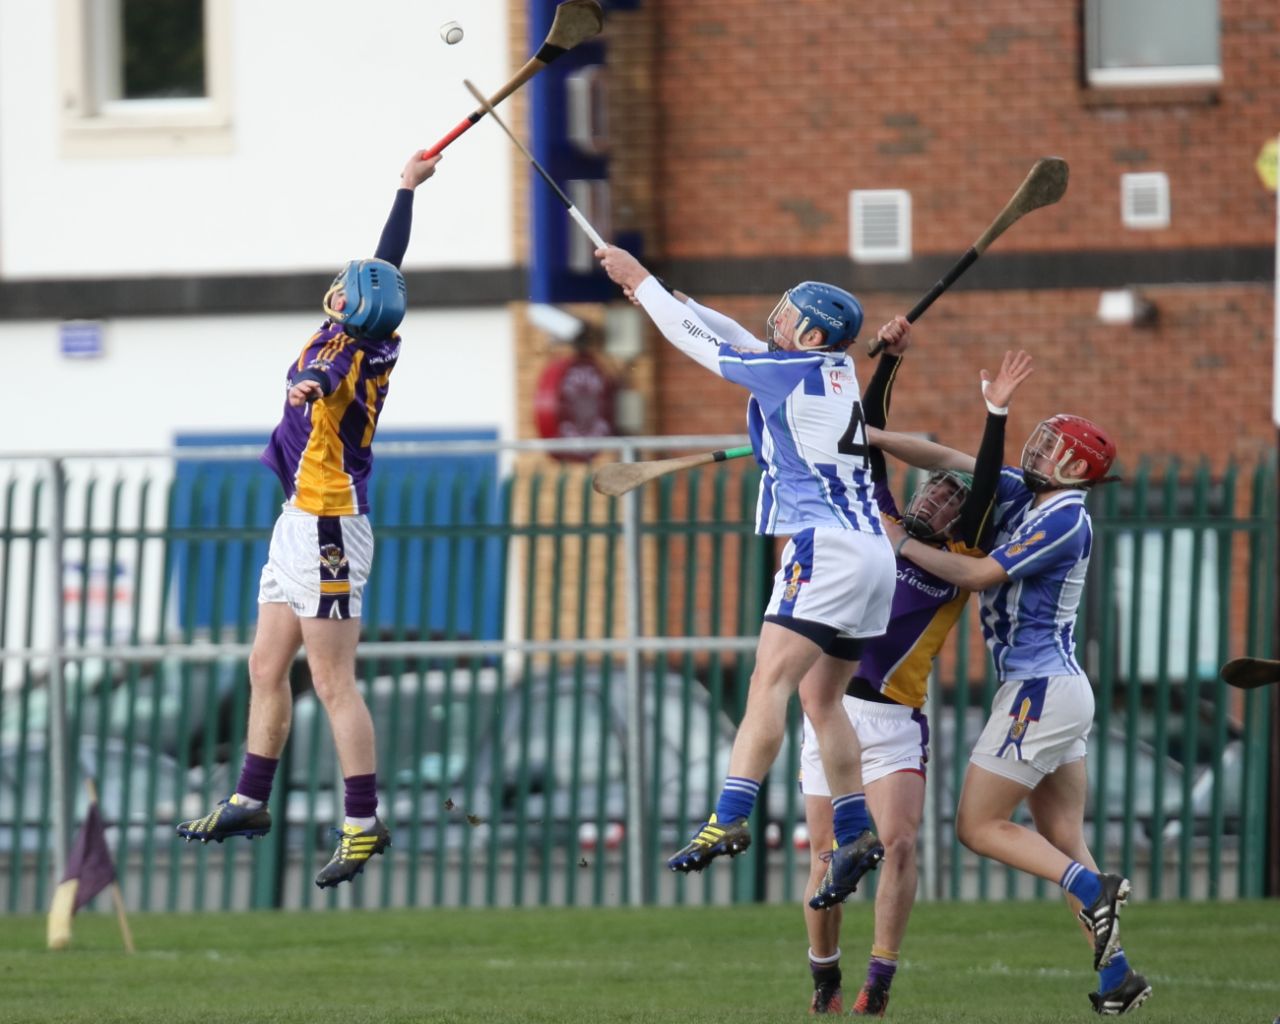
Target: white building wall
159	376
327	100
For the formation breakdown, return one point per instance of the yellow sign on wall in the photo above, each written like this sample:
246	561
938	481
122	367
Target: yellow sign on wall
1266	164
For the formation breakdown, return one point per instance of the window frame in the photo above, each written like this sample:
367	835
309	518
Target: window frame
1136	77
92	127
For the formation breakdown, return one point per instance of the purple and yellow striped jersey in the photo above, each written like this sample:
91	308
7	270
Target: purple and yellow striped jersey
323	451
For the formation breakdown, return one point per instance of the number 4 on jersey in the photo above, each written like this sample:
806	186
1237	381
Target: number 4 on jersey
857	428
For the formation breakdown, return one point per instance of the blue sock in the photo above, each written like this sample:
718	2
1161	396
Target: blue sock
849	817
736	799
1113	973
1082	883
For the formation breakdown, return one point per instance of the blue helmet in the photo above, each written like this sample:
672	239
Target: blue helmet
367	298
825	306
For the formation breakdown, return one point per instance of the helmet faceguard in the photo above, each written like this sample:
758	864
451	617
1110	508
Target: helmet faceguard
832	310
1056	444
367	298
935	506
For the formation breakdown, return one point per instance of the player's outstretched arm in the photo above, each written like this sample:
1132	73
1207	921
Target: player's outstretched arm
916	451
975	516
677	322
394	241
895	337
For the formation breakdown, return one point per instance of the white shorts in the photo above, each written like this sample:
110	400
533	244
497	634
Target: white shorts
842	579
893	738
318	565
1036	726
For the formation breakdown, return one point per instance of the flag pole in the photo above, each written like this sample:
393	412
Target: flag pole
117	897
58	767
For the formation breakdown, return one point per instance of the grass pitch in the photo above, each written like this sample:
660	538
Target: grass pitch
1018	962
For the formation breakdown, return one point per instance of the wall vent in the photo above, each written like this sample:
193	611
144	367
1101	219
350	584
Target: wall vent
880	225
1144	200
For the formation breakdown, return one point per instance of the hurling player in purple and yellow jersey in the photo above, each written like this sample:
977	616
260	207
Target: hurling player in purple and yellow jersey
1034	744
884	701
322	546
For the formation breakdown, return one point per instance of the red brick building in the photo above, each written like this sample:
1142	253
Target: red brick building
741	127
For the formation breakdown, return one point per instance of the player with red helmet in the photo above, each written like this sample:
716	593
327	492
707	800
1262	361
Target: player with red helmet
1033	746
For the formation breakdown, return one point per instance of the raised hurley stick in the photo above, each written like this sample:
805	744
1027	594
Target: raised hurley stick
574	212
1044	185
575	22
1251	673
620	477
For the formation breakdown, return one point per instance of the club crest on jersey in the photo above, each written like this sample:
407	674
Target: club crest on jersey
793	587
1016	549
332	559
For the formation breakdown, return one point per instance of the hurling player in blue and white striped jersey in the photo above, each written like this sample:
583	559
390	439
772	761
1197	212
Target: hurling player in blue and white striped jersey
1033	746
835	584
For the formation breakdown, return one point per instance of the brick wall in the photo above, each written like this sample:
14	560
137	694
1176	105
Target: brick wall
773	112
1197	382
769	119
739	128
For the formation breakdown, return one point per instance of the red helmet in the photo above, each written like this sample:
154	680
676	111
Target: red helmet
1061	440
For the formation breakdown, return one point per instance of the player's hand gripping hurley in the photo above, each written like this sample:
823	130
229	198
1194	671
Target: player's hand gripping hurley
575	22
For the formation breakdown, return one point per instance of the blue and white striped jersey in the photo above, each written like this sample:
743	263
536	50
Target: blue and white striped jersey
1029	621
804	417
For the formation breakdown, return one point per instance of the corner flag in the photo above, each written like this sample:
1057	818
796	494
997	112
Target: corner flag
89	871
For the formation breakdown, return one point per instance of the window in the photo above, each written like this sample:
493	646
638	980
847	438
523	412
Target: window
145	77
586	109
1142	43
880	225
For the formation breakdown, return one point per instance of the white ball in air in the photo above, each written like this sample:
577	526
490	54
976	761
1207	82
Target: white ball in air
451	32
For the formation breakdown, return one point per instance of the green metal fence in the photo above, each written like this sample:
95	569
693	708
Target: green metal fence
523	768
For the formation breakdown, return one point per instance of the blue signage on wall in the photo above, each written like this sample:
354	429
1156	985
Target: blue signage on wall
80	339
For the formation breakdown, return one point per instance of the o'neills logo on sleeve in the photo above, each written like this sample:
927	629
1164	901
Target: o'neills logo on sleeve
389	354
694	331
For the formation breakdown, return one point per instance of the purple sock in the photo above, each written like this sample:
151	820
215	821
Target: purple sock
880	971
361	795
256	777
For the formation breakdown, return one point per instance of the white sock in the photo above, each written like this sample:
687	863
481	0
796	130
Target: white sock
363	824
240	800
